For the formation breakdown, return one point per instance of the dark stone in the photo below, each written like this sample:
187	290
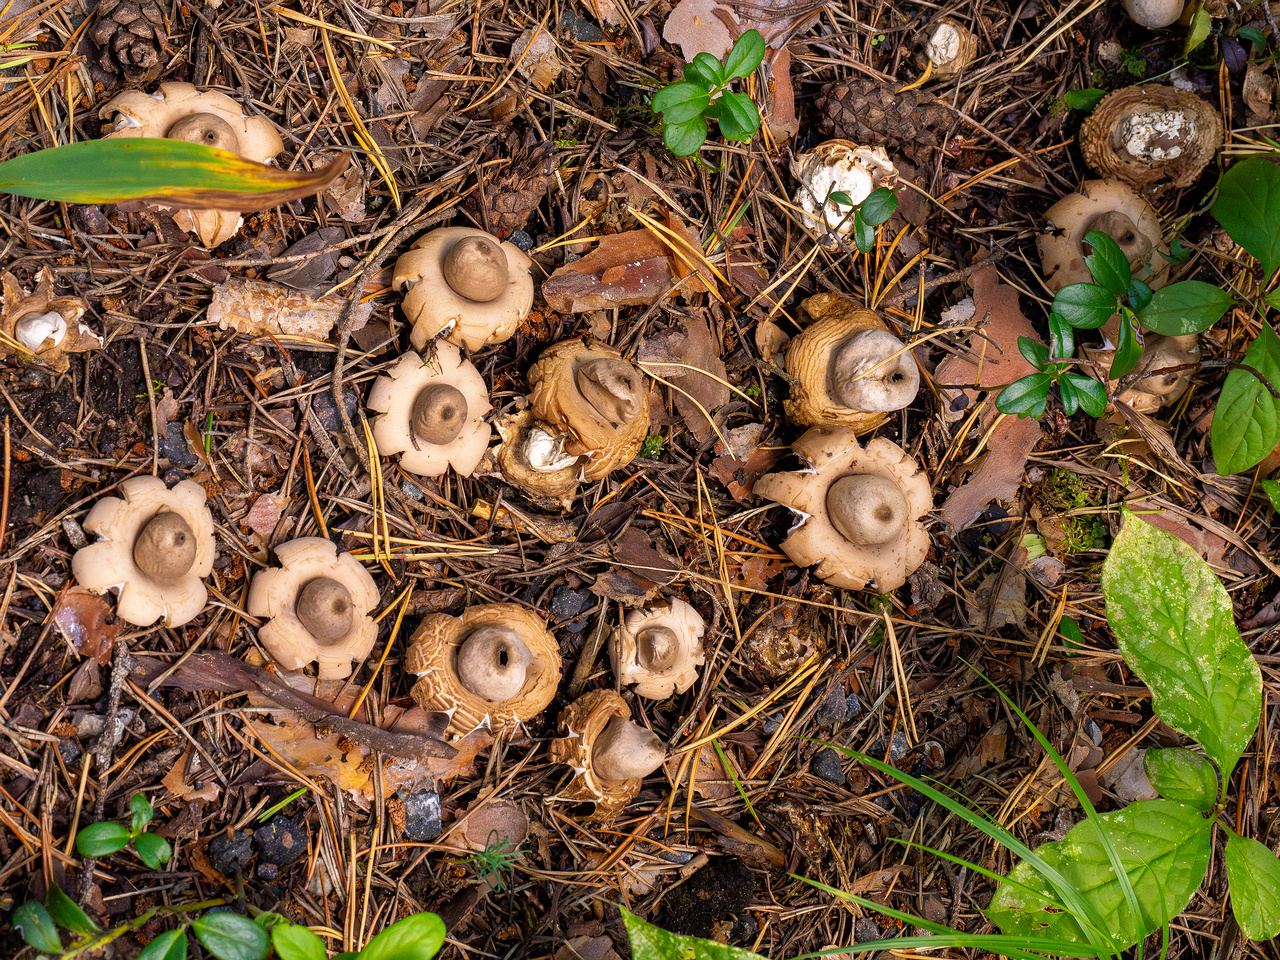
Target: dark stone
421	815
267	871
581	29
69	749
854	704
281	841
173	446
327	411
826	765
834	709
772	724
230	856
865	930
568	604
521	240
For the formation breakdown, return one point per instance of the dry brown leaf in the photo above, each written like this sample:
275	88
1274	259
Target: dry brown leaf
265	514
1009	608
744	462
87	623
878	881
690	361
175	781
713	781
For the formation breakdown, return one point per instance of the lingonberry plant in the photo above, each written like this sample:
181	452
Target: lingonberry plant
704	95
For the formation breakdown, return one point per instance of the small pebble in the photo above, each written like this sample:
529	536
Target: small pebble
521	240
327	411
281	841
267	871
834	709
567	604
773	723
865	930
229	857
899	747
855	705
173	446
581	29
421	815
826	765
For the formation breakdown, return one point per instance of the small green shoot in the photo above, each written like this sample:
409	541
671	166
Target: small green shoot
103	839
704	95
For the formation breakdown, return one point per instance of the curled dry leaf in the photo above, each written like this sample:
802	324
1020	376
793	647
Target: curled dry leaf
86	622
689	360
992	360
175	781
745	462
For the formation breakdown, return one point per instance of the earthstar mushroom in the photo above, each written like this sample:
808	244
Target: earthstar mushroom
155	549
950	47
465	283
850	370
859	507
1114	208
317	604
432	413
658	649
1154	13
44	326
838	166
534	460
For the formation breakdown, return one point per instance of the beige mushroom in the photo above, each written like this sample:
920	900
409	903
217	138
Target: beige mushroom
1154	13
534	460
179	111
658	649
496	664
859	507
1149	393
432	413
1114	208
949	47
156	547
838	166
593	398
609	754
42	325
466	284
493	824
318	604
850	370
1152	137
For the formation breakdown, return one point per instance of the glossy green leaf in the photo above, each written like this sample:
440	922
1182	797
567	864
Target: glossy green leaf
1181	774
840	197
1026	397
653	943
1033	351
67	914
37	927
1062	339
681	102
1070	398
746	55
141	812
1128	350
347	955
1091	394
1163	847
229	936
1272	299
1174	625
295	942
707	69
1085	99
1085	306
1186	307
418	937
1069	630
1139	295
864	234
170	945
1253	877
154	851
879	206
1198	31
102	839
684	139
1248	207
1108	265
1254	36
1246	423
1272	489
739	118
174	172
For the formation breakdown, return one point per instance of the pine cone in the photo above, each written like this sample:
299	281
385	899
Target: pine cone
130	35
515	193
874	113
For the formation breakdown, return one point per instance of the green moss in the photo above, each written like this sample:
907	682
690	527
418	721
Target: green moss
1063	490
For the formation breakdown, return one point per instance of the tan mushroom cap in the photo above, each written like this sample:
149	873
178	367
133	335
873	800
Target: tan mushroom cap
139	114
1159	352
399	393
1154	13
433	657
835	454
591	724
110	564
1152	137
843	357
1114	208
493	823
290	633
658	649
596	399
533	459
950	46
42	325
431	304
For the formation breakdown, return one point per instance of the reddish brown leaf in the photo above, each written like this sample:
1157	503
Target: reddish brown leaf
87	623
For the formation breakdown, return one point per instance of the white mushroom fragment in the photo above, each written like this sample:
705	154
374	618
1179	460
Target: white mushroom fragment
42	325
838	166
950	47
658	649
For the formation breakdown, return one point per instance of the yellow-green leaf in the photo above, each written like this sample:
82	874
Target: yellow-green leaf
172	172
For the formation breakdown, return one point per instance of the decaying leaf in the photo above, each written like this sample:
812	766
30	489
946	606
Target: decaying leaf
638	570
175	781
688	360
990	610
265	514
316	267
259	308
745	462
87	623
536	58
712	780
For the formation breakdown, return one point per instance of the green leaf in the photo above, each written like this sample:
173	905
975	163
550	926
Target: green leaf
141	811
1253	876
1139	295
175	172
1107	264
1174	625
1272	299
37	927
1062	339
295	942
653	943
1181	774
1033	351
1128	350
879	206
864	235
1254	36
681	102
347	955
1186	307
152	850
102	839
170	945
1163	846
1246	423
229	936
1070	398
1272	489
1069	630
1248	207
67	914
1085	99
705	69
1091	394
739	118
840	197
684	139
746	55
1026	397
1085	306
418	937
1198	32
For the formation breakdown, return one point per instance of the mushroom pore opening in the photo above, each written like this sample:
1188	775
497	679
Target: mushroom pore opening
657	648
624	751
867	510
206	128
1116	225
861	375
492	662
439	414
476	269
1155	135
166	547
325	608
612	387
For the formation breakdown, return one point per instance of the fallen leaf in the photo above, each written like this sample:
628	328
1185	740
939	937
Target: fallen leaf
265	514
175	781
712	781
87	623
1008	608
878	881
745	462
316	267
689	360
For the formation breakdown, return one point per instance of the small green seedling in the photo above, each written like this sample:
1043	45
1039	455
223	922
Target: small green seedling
103	839
499	857
704	95
876	209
